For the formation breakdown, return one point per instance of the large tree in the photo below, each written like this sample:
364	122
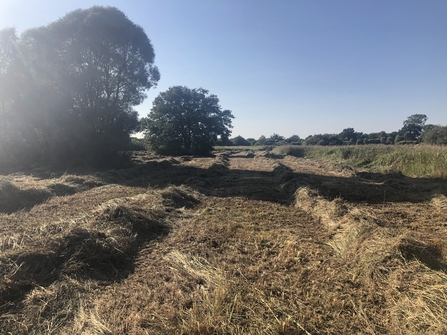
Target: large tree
413	126
185	120
88	70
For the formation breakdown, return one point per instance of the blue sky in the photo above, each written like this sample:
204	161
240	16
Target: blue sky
289	67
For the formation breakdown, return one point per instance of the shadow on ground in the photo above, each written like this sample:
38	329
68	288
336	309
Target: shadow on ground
277	186
280	184
105	256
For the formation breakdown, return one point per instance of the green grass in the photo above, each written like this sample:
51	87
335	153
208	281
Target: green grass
243	148
411	160
292	150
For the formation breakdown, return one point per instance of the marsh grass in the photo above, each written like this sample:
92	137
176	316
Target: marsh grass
292	150
423	161
240	148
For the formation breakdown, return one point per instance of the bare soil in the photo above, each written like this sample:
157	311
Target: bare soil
238	243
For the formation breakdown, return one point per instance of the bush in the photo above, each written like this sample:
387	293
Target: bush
240	141
292	150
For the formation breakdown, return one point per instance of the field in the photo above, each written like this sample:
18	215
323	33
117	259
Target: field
245	242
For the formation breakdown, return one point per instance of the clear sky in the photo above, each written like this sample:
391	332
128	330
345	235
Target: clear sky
289	67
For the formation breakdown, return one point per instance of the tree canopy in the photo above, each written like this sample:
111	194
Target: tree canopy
413	126
435	135
85	72
185	120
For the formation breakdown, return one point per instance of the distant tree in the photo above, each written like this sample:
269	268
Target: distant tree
317	139
391	137
373	136
251	140
261	140
275	139
334	140
294	139
348	135
185	120
413	126
435	135
398	139
240	141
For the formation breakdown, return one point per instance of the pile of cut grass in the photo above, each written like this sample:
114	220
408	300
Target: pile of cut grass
404	270
13	198
48	280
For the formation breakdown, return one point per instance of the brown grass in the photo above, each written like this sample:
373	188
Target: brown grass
242	243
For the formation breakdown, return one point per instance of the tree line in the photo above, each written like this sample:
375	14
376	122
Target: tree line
414	130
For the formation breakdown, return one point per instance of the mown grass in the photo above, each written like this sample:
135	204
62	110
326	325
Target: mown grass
412	160
212	248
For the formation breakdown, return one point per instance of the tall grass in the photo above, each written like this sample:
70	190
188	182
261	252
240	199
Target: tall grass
240	147
427	161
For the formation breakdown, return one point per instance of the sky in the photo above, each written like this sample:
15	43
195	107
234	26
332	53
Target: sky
290	67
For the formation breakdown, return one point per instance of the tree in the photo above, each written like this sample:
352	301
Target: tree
413	126
90	68
240	141
186	121
275	139
8	58
294	139
317	139
251	140
435	135
348	135
261	140
18	137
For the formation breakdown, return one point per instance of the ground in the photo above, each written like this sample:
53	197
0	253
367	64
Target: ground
239	243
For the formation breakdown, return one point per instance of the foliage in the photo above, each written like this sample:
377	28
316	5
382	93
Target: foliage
291	150
78	79
323	139
252	141
240	141
412	160
137	144
261	140
186	121
274	139
293	140
412	129
409	134
349	135
434	135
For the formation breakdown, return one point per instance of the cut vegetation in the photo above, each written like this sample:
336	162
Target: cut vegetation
246	242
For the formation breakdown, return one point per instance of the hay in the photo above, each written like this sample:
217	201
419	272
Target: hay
13	198
180	197
327	212
224	253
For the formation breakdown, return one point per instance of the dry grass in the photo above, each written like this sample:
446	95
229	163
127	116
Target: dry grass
242	243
